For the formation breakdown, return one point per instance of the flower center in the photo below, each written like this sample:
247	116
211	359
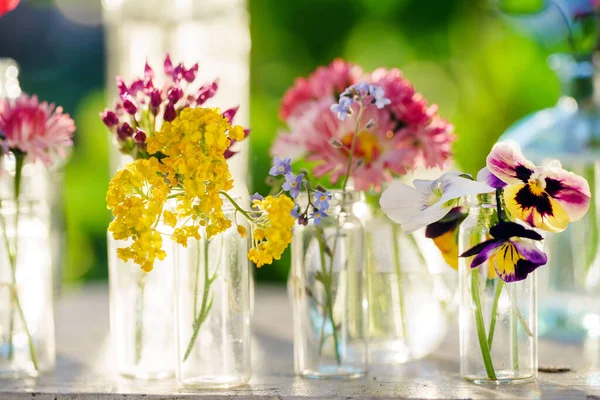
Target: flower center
367	145
537	183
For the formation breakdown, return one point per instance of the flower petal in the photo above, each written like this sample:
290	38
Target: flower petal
530	252
484	175
427	216
484	251
449	223
507	230
571	191
535	207
511	266
401	202
447	245
454	186
508	163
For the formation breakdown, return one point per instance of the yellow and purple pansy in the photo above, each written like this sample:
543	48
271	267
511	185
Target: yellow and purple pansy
546	197
512	249
444	234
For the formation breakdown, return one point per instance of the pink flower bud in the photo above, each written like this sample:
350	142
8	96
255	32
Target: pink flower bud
124	132
129	105
206	92
121	86
190	74
170	113
230	114
155	101
168	65
175	94
109	118
148	72
136	86
139	136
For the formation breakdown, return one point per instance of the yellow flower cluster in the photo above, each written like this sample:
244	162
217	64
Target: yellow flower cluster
193	171
194	145
136	197
273	232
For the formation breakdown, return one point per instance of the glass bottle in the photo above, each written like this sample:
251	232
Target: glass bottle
569	132
212	310
27	346
141	313
498	320
214	33
329	298
400	276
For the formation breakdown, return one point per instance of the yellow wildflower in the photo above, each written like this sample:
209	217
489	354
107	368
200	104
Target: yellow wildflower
274	232
242	231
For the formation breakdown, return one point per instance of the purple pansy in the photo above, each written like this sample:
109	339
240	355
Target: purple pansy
516	254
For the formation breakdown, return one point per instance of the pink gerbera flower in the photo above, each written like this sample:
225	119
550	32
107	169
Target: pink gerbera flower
395	139
39	130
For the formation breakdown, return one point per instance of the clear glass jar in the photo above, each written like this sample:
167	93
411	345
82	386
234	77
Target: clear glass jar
498	320
569	296
399	278
27	346
212	310
329	297
141	314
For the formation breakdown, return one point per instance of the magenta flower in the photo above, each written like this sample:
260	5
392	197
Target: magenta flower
39	130
399	131
145	105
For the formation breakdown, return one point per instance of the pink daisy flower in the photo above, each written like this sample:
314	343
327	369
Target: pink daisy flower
40	130
394	140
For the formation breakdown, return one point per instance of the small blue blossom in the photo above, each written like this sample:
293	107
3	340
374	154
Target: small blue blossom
362	88
322	200
378	95
281	166
296	211
342	108
293	184
255	196
317	216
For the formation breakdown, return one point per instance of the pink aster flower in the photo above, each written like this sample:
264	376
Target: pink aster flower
396	138
39	130
327	81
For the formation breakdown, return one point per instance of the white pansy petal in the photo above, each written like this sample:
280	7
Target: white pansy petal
455	187
423	185
401	202
428	216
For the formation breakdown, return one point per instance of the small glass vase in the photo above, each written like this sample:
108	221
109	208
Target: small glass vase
213	311
498	320
328	289
141	314
27	346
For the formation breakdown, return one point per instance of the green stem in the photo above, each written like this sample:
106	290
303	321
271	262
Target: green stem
237	206
139	318
327	282
206	304
396	251
494	315
514	331
480	326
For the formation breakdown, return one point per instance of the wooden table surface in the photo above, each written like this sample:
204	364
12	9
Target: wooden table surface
84	365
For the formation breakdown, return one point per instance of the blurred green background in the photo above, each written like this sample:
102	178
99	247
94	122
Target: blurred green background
482	70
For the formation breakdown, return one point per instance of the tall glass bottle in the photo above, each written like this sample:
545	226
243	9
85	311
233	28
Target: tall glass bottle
214	33
498	320
570	132
328	294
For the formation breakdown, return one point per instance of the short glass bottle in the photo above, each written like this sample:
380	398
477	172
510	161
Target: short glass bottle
212	310
498	320
328	289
